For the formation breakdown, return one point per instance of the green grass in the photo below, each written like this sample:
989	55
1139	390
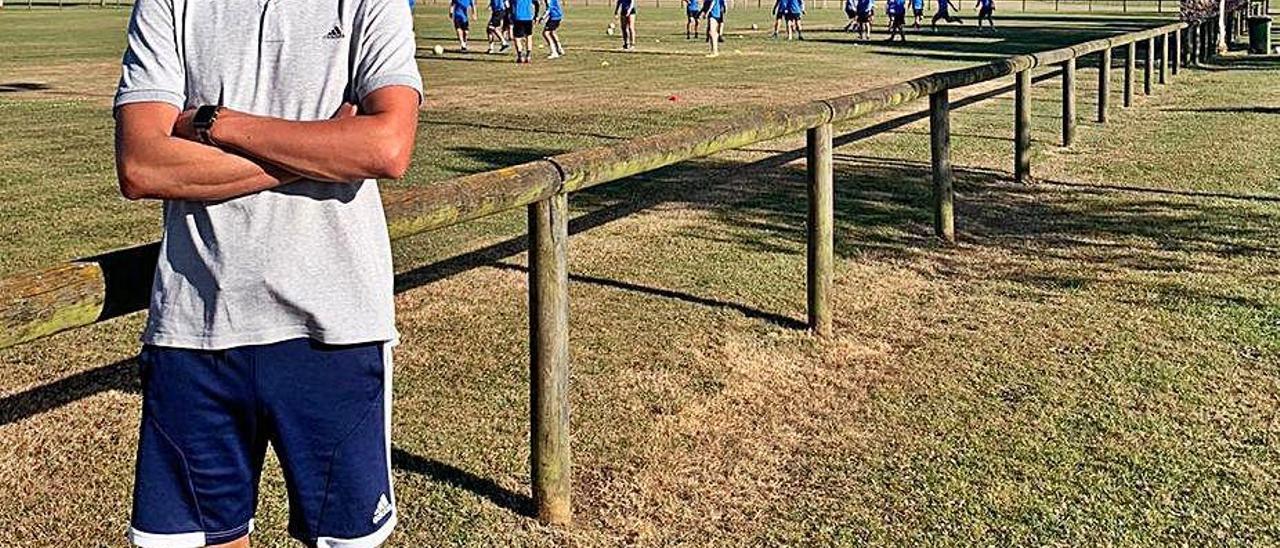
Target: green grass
1096	362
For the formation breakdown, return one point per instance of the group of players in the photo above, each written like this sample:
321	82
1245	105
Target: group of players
513	21
861	14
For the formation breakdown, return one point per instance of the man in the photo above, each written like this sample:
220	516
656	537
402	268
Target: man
262	126
945	7
460	13
986	10
551	28
897	12
523	14
498	28
714	11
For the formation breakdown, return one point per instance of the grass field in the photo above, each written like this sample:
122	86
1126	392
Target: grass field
1096	362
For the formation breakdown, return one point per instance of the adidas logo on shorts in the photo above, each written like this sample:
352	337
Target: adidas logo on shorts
334	33
384	508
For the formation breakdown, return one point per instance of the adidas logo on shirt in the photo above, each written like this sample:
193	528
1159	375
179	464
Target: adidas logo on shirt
384	508
334	33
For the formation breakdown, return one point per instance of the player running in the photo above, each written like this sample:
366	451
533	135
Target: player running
863	25
692	13
498	28
461	12
550	26
917	9
985	10
897	12
795	13
944	13
714	10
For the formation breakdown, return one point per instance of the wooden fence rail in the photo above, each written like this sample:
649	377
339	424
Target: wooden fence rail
80	293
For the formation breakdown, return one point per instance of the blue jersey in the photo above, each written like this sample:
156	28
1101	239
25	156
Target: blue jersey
797	6
625	7
917	5
461	9
714	8
497	5
864	5
554	11
522	10
944	6
850	5
691	6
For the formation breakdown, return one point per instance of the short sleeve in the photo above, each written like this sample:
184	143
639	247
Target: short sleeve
387	53
152	70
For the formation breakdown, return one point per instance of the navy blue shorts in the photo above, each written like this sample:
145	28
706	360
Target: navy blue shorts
207	417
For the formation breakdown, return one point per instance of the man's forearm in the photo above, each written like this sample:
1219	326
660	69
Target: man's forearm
171	168
339	150
153	162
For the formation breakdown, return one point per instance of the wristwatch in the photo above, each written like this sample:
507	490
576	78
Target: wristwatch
203	122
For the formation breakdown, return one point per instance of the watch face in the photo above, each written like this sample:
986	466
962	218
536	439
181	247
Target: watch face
205	116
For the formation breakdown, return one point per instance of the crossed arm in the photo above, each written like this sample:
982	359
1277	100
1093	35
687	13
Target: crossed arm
158	155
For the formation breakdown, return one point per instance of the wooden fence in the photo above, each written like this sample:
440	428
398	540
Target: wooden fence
95	289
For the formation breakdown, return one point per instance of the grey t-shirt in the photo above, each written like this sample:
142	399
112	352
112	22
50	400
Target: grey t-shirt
307	259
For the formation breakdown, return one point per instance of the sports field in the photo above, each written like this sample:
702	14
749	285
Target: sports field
1096	362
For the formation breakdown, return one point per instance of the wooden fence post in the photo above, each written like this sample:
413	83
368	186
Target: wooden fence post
1189	51
1176	55
1148	67
821	252
1104	84
549	358
1204	41
1130	60
1164	59
944	223
1022	128
1069	102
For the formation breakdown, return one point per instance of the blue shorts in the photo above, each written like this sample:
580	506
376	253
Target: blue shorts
207	417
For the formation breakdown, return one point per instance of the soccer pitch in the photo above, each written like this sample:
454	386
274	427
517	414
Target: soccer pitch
1095	362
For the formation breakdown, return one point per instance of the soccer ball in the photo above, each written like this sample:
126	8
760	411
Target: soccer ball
609	30
755	26
439	50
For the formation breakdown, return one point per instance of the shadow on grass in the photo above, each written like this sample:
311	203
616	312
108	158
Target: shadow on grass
1228	110
448	474
754	313
967	43
121	375
17	87
1241	62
